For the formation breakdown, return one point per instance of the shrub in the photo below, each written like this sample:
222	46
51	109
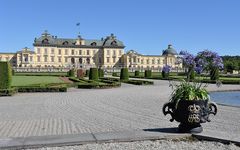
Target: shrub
191	73
214	74
124	74
93	74
80	73
165	75
114	74
148	74
13	72
87	73
5	75
8	92
100	73
71	73
139	82
137	73
42	89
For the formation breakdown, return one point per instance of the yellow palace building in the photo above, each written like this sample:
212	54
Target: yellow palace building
53	53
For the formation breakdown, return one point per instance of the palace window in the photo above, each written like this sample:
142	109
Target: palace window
66	52
80	52
45	58
45	41
59	52
93	44
134	59
31	58
66	59
114	43
142	61
88	60
59	59
52	58
158	61
88	53
114	59
45	51
108	52
138	60
38	50
52	51
147	61
72	51
120	52
153	61
108	59
65	43
100	60
114	52
38	58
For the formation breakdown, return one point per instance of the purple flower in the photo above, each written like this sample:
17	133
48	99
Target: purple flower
166	69
188	59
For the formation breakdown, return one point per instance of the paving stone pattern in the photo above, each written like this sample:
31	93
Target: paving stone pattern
100	110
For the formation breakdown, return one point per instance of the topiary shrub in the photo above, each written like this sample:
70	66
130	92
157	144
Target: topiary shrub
214	73
87	73
100	73
124	76
93	74
71	73
137	73
114	74
13	72
191	73
148	74
80	73
5	75
165	75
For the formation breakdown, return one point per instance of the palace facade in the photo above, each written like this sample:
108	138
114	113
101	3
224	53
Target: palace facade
53	52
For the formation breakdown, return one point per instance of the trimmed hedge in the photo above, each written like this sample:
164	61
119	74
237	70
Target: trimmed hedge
42	89
114	74
148	74
8	92
137	73
102	84
124	76
87	73
165	75
93	74
71	73
5	75
139	82
100	73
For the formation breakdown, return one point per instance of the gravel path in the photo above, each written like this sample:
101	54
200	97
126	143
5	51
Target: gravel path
150	145
99	110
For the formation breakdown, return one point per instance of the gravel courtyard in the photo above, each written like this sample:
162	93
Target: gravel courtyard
100	110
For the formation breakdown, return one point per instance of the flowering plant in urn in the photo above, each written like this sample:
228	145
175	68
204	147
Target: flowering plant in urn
190	102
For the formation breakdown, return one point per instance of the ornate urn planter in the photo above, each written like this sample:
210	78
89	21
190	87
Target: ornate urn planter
190	114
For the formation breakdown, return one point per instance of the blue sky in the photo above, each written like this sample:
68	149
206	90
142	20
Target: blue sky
147	26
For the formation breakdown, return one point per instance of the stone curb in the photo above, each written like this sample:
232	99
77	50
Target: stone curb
85	138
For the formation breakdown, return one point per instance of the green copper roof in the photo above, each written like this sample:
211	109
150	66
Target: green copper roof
170	51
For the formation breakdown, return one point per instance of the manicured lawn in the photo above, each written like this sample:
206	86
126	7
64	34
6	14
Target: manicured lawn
29	80
41	73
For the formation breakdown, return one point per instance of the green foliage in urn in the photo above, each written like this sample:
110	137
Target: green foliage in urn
93	74
5	75
124	76
188	91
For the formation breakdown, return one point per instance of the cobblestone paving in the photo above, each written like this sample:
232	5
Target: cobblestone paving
99	110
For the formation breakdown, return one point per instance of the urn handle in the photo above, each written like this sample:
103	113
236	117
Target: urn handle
212	108
168	109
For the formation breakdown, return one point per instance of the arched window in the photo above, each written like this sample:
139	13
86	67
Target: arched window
72	60
114	43
80	61
88	60
45	41
65	43
93	44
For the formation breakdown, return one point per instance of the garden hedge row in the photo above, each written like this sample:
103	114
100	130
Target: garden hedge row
8	92
148	74
124	76
137	73
71	73
93	74
139	82
5	75
100	73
